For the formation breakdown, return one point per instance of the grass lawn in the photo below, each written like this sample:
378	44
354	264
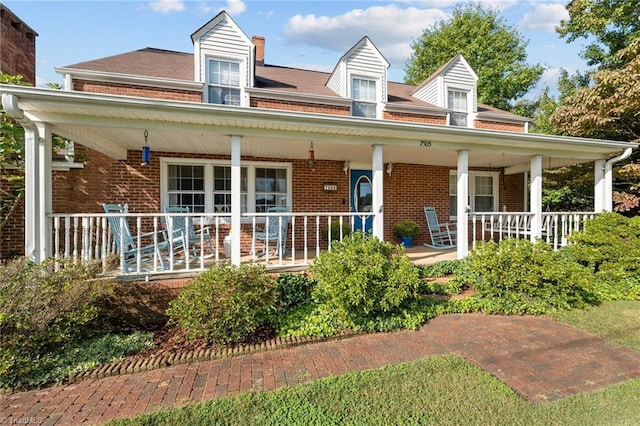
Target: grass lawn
445	390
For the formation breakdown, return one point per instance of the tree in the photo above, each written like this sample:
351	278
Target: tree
495	51
11	159
608	25
610	109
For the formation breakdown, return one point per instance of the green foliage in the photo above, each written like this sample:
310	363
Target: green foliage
335	230
494	50
42	307
568	188
310	320
518	277
293	290
64	361
607	25
610	247
440	269
406	228
364	277
224	304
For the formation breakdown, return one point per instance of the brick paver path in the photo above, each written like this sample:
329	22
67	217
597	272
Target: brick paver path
540	358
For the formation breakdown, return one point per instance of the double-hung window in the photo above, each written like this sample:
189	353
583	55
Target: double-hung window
363	92
205	185
224	82
457	103
483	192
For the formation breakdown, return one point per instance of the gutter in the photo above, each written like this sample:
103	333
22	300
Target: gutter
10	105
608	174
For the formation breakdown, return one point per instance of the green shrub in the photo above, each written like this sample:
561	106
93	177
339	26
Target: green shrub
610	246
42	307
310	320
224	304
364	277
293	290
517	277
335	230
440	269
406	228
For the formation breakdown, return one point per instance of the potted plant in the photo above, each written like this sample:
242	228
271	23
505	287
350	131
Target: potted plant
406	230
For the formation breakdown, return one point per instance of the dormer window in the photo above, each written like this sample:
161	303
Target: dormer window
363	92
457	102
224	82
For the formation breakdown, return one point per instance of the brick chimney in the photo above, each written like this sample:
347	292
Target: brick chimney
17	46
258	41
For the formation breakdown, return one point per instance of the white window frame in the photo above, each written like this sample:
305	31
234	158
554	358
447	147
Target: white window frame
453	110
241	73
376	93
251	167
472	189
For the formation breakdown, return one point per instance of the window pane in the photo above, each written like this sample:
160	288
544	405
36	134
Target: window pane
224	73
484	185
224	96
453	205
364	90
362	109
458	119
483	204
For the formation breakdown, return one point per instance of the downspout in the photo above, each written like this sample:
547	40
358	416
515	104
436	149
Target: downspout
608	176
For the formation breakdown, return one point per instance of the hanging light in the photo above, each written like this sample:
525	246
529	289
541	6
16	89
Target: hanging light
146	151
312	157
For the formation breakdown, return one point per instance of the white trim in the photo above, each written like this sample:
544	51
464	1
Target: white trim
462	191
279	95
377	175
110	77
242	69
536	197
208	165
471	189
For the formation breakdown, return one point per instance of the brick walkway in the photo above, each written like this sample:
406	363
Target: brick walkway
540	358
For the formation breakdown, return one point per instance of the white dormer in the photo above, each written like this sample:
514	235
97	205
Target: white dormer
452	86
224	58
361	75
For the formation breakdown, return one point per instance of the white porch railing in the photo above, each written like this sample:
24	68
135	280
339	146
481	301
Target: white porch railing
556	227
87	237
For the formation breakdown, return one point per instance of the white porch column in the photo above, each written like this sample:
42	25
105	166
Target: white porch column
236	189
45	191
32	242
377	192
599	202
536	197
462	208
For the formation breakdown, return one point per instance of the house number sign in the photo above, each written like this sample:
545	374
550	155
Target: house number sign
330	186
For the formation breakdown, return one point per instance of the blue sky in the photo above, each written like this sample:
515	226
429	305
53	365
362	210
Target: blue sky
302	33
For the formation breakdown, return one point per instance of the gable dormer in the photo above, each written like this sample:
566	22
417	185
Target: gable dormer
452	86
224	58
361	75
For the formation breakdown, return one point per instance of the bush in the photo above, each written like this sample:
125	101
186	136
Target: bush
440	269
224	304
610	247
406	228
517	277
364	277
42	307
293	290
335	230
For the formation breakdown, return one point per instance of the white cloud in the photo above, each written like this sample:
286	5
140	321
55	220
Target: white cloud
499	5
391	29
235	7
167	6
545	16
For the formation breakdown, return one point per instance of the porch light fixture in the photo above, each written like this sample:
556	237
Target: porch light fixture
312	157
389	168
346	166
146	151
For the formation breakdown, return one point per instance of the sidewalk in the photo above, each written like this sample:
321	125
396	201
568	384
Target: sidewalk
538	357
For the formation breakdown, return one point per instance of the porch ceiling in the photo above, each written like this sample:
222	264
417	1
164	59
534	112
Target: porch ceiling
115	124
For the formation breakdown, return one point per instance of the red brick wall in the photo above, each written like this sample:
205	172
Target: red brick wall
496	125
17	46
299	106
414	118
136	90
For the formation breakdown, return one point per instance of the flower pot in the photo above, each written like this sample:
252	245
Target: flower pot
406	241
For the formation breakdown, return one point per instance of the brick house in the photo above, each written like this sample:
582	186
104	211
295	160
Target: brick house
232	136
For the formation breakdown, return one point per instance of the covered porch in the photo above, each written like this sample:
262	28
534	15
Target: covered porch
411	165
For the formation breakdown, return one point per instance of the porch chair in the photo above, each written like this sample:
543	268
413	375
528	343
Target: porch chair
275	231
127	243
442	236
184	234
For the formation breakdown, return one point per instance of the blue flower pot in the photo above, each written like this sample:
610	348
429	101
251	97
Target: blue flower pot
406	241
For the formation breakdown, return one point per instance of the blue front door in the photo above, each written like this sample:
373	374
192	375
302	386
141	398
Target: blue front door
362	198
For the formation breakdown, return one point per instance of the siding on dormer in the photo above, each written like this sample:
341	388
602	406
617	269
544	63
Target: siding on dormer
457	76
224	41
431	92
336	80
365	62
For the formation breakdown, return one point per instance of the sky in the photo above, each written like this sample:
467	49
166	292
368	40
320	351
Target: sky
309	34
